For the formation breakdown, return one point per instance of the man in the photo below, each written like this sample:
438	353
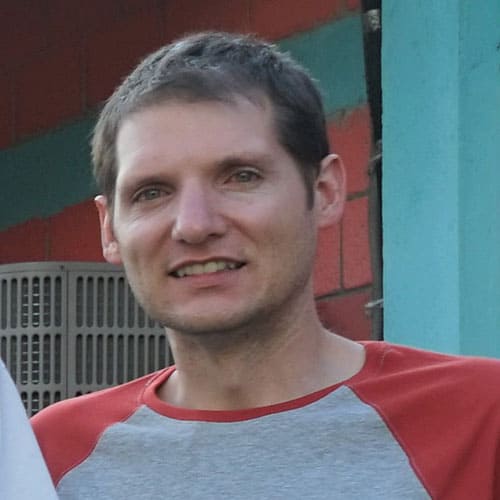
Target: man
213	162
23	474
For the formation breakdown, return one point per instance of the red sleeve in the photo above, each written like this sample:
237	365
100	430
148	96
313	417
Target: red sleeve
445	413
68	431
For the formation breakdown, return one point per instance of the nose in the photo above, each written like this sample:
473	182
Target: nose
198	215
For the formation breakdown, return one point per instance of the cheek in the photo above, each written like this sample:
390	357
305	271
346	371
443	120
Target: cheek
140	236
289	222
289	236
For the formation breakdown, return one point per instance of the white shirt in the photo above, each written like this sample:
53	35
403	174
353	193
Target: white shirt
23	474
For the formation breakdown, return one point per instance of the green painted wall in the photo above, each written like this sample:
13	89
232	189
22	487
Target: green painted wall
334	55
441	181
42	176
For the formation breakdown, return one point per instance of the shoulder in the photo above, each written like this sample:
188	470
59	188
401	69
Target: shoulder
443	410
389	357
431	374
69	430
105	405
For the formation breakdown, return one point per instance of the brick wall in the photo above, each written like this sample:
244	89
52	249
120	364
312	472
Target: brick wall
61	59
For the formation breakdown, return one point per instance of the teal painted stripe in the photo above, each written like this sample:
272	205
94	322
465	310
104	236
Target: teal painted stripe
44	175
420	174
333	53
441	182
479	185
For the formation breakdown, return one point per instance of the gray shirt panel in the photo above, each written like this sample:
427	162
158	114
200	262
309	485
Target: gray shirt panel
335	448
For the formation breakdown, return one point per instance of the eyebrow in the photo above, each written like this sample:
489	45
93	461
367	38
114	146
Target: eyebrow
235	160
131	184
231	161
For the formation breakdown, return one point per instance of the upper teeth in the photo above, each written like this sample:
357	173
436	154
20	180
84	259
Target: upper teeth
208	267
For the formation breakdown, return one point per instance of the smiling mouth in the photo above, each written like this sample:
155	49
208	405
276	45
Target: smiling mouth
210	267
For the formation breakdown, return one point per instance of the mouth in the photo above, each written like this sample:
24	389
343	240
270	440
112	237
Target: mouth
209	267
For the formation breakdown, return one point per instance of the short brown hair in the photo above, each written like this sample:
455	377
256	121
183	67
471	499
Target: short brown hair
218	66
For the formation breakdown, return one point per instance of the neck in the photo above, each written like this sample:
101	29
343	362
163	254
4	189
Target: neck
259	365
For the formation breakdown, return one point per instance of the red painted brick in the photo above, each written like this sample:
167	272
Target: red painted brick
24	242
193	15
355	244
353	4
350	137
23	31
95	15
113	52
74	234
327	265
47	90
64	22
279	18
345	315
127	7
6	132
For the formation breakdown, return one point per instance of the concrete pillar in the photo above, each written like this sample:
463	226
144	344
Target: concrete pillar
441	174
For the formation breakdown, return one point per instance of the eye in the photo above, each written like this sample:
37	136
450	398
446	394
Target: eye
149	194
245	176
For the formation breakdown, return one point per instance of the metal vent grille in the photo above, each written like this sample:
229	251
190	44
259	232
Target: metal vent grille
68	329
113	341
32	332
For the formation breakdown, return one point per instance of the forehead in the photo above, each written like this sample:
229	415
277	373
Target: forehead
178	132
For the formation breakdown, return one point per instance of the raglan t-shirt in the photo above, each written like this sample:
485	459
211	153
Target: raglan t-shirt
410	425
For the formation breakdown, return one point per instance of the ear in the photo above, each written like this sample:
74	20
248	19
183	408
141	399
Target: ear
110	247
330	190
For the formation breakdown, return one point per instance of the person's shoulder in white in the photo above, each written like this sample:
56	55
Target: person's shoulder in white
23	474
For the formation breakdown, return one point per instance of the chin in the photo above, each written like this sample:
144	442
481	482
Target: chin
209	323
204	326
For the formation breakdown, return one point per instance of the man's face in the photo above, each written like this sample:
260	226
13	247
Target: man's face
210	216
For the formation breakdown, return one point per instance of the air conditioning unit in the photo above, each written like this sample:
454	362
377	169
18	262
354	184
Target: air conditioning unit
68	328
